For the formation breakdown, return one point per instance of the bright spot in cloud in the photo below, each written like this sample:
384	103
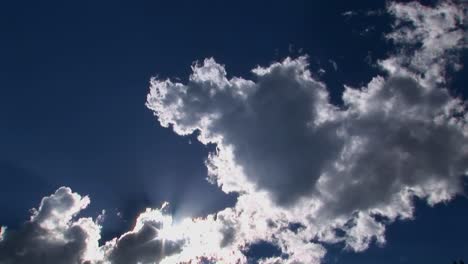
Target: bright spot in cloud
293	157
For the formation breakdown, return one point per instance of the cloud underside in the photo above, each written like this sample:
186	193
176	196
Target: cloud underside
339	173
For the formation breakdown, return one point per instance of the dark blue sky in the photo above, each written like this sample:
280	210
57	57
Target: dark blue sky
74	78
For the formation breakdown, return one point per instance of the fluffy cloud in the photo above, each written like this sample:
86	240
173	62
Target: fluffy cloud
332	168
429	39
52	235
267	124
144	243
55	235
307	172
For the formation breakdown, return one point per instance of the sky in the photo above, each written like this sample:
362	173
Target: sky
277	132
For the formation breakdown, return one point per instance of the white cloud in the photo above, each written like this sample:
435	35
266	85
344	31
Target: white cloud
428	38
265	127
53	235
327	167
341	173
145	243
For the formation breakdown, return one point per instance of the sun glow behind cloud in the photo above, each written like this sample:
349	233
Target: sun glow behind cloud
340	173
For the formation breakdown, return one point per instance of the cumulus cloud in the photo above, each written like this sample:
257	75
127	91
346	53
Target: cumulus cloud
333	168
53	235
144	243
267	124
308	173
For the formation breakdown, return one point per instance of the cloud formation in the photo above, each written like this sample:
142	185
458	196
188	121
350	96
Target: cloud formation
53	235
326	166
144	243
337	173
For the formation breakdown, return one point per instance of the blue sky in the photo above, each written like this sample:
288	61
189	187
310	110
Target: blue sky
74	80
